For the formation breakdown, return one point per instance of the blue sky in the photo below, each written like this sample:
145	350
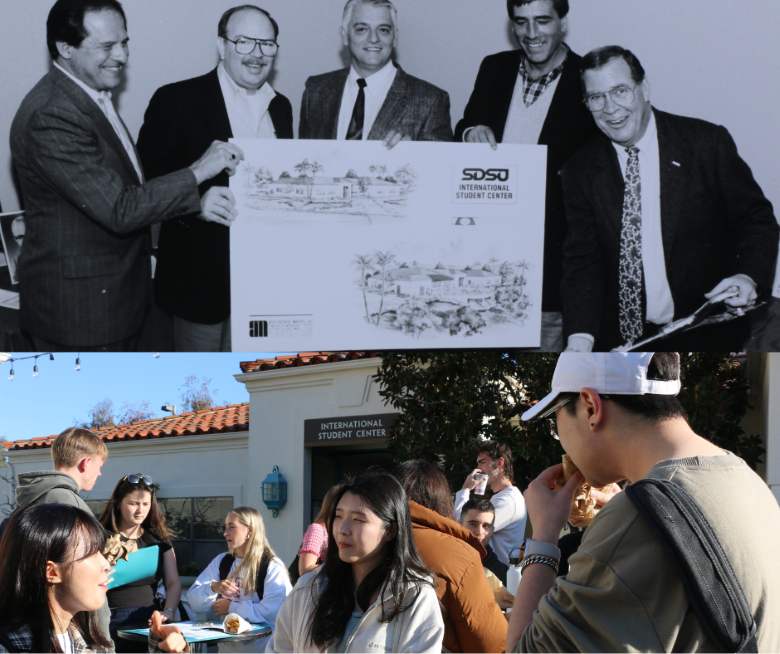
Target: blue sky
47	404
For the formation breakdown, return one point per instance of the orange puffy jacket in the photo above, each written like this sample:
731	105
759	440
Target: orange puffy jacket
473	622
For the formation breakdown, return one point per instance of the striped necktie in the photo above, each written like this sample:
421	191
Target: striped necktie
355	131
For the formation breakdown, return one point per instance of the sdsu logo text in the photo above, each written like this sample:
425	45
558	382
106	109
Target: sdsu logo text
489	175
258	328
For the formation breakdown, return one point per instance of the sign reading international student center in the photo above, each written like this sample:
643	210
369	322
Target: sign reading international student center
347	430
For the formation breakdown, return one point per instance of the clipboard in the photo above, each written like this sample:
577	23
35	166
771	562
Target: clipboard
139	565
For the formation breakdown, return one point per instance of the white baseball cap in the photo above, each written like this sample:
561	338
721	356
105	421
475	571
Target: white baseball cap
616	373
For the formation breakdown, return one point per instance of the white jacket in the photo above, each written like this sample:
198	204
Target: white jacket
418	629
252	608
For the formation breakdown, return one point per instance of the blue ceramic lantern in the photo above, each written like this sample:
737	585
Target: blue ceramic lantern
275	491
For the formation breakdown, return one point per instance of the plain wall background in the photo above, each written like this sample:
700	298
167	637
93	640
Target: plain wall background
712	59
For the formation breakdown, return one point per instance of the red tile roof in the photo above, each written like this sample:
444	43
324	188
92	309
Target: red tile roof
218	420
304	359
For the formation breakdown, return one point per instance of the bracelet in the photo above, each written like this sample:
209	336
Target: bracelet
540	558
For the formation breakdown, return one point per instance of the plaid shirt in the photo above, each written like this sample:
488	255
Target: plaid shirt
533	88
22	641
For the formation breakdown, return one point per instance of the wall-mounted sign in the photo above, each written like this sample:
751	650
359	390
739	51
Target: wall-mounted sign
347	429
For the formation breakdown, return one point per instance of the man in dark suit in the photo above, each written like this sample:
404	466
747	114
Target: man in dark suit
663	214
85	269
374	98
192	281
532	96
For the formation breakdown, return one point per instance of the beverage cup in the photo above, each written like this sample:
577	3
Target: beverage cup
481	478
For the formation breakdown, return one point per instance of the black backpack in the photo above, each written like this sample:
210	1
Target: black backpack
224	571
713	589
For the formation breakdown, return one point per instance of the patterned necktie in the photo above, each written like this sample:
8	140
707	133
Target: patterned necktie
355	131
104	99
630	273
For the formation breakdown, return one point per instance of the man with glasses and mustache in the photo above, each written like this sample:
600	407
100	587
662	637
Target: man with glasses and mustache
373	99
532	96
192	282
663	215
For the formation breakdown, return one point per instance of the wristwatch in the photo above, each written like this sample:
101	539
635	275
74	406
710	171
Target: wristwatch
541	548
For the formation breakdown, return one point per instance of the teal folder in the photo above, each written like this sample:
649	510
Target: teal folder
139	565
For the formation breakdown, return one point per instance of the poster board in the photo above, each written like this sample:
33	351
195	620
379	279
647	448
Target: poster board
344	245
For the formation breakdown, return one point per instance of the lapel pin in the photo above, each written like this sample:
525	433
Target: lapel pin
674	163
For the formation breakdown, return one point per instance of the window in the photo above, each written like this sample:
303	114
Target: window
196	525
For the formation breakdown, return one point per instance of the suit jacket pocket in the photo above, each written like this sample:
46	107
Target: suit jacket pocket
95	265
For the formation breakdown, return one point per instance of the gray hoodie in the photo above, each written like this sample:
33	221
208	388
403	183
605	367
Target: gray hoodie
49	487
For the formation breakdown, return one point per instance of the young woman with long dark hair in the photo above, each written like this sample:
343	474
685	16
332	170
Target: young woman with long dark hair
373	593
133	513
53	579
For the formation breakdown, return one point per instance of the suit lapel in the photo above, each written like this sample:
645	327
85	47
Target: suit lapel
674	165
89	107
393	106
331	104
559	112
608	179
215	109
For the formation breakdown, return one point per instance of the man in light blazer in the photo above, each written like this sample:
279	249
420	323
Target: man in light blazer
192	281
85	269
663	214
373	98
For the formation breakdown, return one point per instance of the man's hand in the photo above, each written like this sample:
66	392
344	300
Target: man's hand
601	498
548	509
222	606
746	297
393	138
218	205
170	636
579	344
219	157
471	482
481	134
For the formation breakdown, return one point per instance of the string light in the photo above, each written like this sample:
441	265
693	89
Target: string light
32	356
78	362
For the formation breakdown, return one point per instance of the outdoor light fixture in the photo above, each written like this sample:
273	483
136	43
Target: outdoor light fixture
275	491
11	376
78	363
35	370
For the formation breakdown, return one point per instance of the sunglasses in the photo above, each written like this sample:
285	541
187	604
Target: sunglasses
139	479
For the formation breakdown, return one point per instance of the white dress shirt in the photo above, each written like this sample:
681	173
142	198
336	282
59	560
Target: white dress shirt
660	305
377	87
247	109
103	101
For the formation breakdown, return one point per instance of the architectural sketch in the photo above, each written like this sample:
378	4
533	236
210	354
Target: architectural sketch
372	193
453	300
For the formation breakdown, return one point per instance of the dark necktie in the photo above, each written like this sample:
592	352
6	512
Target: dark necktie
355	131
630	273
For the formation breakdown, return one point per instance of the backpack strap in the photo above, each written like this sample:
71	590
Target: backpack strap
262	571
686	535
224	566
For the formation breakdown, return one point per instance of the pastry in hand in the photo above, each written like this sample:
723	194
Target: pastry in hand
584	507
116	549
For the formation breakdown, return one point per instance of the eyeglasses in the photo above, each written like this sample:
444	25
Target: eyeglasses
621	95
139	479
551	422
245	45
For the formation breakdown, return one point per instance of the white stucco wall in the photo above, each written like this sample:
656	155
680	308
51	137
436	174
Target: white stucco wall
208	465
280	402
770	397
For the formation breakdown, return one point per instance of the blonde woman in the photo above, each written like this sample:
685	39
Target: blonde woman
249	579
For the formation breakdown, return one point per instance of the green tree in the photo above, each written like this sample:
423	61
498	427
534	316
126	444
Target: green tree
450	399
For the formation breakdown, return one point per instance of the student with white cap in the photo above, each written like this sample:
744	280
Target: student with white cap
617	417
